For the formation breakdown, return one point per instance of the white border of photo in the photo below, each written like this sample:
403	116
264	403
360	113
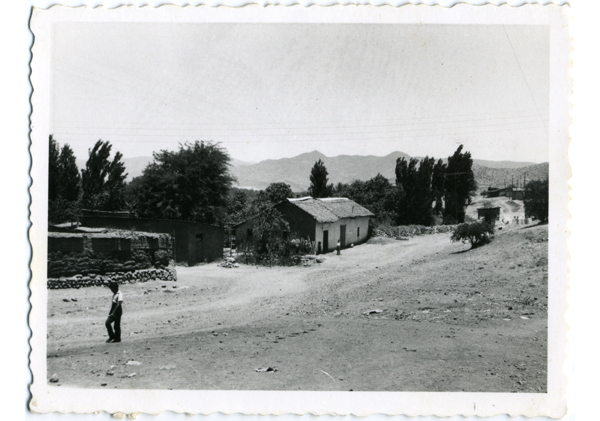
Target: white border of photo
50	399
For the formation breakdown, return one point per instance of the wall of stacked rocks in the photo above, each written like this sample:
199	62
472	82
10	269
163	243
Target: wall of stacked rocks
93	259
93	280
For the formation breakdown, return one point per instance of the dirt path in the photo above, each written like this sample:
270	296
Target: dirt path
419	315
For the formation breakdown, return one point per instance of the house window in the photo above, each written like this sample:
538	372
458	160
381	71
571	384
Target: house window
358	232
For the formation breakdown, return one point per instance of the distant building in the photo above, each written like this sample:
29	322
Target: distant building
517	194
195	242
511	192
490	215
324	221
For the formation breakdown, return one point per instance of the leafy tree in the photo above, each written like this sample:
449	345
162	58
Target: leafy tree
377	194
476	233
236	204
53	169
102	180
460	185
318	181
438	180
536	199
406	180
63	184
69	178
278	192
192	183
415	206
423	210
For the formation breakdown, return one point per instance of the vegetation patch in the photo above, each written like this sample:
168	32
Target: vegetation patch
476	233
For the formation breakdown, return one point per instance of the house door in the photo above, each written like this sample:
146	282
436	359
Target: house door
325	241
342	236
199	248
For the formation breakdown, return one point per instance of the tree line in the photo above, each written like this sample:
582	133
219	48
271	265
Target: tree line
425	192
194	183
100	185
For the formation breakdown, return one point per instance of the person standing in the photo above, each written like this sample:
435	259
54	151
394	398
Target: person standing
338	247
114	316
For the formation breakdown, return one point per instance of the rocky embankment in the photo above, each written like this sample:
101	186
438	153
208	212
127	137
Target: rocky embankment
144	275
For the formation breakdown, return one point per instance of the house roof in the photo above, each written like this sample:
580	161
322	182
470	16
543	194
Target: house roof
330	209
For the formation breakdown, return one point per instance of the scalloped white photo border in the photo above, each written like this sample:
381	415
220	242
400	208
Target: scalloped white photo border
553	403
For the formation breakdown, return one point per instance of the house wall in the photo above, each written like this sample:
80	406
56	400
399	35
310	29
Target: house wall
184	233
353	236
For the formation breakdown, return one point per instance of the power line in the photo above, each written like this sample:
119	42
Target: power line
182	138
112	127
522	73
246	135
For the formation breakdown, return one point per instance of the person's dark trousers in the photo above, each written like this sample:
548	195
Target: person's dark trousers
116	319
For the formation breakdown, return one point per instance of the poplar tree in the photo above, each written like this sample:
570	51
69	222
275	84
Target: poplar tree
63	183
459	187
103	180
318	181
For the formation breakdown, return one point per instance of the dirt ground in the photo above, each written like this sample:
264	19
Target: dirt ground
417	315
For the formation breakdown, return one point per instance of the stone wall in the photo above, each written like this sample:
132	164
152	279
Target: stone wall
144	275
71	254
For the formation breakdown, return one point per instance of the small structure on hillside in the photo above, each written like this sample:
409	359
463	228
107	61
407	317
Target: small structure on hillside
512	193
323	221
195	242
517	194
490	215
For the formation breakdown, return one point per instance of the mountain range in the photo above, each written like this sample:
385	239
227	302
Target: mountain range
346	168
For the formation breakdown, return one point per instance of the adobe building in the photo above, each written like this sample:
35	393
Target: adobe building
323	221
195	242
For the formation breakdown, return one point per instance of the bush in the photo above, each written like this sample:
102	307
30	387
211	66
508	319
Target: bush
161	259
476	233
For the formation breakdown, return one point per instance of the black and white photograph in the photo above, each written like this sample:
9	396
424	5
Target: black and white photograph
303	205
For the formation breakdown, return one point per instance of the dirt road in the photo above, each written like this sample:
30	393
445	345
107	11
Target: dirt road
417	315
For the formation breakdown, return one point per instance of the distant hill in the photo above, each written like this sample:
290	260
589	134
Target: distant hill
499	177
295	171
346	168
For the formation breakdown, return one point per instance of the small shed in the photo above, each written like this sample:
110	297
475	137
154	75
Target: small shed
490	215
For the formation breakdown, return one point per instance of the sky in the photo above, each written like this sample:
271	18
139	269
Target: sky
268	91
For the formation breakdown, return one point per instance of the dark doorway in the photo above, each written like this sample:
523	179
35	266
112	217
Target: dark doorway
342	236
325	241
199	249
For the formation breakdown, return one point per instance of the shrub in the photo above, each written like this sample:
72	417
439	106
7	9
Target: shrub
476	233
141	259
161	259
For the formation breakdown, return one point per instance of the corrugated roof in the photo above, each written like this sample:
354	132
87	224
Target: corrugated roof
330	209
